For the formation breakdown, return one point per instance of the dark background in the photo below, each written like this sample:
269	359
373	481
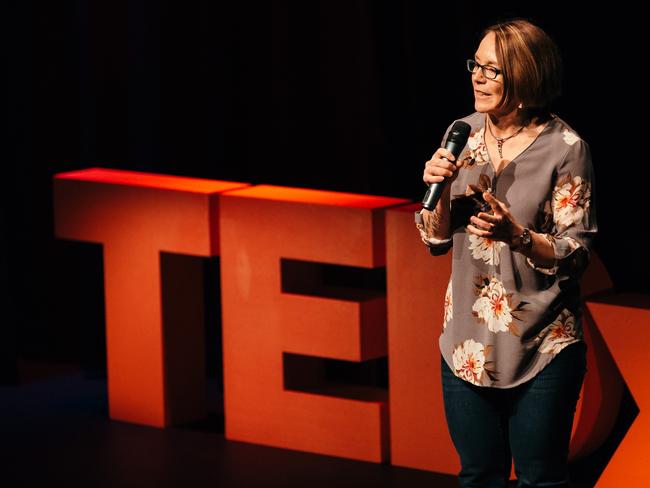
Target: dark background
350	95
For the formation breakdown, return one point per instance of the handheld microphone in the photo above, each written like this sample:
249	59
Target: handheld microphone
455	143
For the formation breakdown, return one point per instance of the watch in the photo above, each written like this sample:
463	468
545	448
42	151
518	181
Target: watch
525	240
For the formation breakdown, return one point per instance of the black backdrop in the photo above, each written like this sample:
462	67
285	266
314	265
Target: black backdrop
350	95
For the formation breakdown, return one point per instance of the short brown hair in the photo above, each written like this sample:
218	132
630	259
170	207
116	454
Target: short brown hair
531	64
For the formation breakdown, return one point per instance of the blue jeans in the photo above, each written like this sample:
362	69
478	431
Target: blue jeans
530	423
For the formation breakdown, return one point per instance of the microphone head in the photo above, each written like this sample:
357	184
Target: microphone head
459	133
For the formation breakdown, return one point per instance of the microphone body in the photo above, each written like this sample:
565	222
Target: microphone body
455	143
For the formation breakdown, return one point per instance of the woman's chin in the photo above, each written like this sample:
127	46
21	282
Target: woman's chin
482	107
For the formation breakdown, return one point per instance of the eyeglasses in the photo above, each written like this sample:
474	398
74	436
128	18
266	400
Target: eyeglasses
488	71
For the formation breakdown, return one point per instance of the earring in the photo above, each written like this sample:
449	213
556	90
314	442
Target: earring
520	106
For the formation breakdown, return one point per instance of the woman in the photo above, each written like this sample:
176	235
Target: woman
519	213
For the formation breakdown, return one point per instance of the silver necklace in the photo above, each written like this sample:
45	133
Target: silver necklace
501	140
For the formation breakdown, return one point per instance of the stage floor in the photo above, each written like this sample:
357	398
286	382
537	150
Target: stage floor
55	428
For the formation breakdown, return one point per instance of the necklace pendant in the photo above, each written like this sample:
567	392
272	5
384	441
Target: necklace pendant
501	140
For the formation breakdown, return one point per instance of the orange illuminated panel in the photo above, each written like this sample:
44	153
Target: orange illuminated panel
416	283
154	349
261	323
623	321
149	180
319	197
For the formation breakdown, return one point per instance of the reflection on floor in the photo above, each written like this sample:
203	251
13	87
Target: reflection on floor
55	429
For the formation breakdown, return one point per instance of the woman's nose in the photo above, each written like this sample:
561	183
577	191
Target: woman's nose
478	76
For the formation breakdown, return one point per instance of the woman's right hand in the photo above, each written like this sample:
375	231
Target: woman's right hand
438	169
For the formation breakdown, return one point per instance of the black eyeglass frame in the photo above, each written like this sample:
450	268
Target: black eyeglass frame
472	65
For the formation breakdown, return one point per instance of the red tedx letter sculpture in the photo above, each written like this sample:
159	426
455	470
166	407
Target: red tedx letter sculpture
280	323
624	322
156	372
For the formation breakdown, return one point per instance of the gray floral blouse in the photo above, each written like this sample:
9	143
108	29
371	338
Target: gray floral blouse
504	318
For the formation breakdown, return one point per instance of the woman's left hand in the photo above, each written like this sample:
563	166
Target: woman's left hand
499	225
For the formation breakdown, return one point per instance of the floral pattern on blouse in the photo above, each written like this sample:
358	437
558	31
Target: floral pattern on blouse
470	364
568	207
494	306
570	137
570	201
449	306
485	249
559	334
478	153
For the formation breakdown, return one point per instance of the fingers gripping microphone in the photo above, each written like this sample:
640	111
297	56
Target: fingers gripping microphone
455	143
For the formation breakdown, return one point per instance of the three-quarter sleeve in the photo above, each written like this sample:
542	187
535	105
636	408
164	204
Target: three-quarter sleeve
423	222
570	214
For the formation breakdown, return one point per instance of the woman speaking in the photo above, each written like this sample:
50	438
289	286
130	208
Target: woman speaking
518	211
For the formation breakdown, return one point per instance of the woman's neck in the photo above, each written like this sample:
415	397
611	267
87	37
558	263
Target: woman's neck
506	124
